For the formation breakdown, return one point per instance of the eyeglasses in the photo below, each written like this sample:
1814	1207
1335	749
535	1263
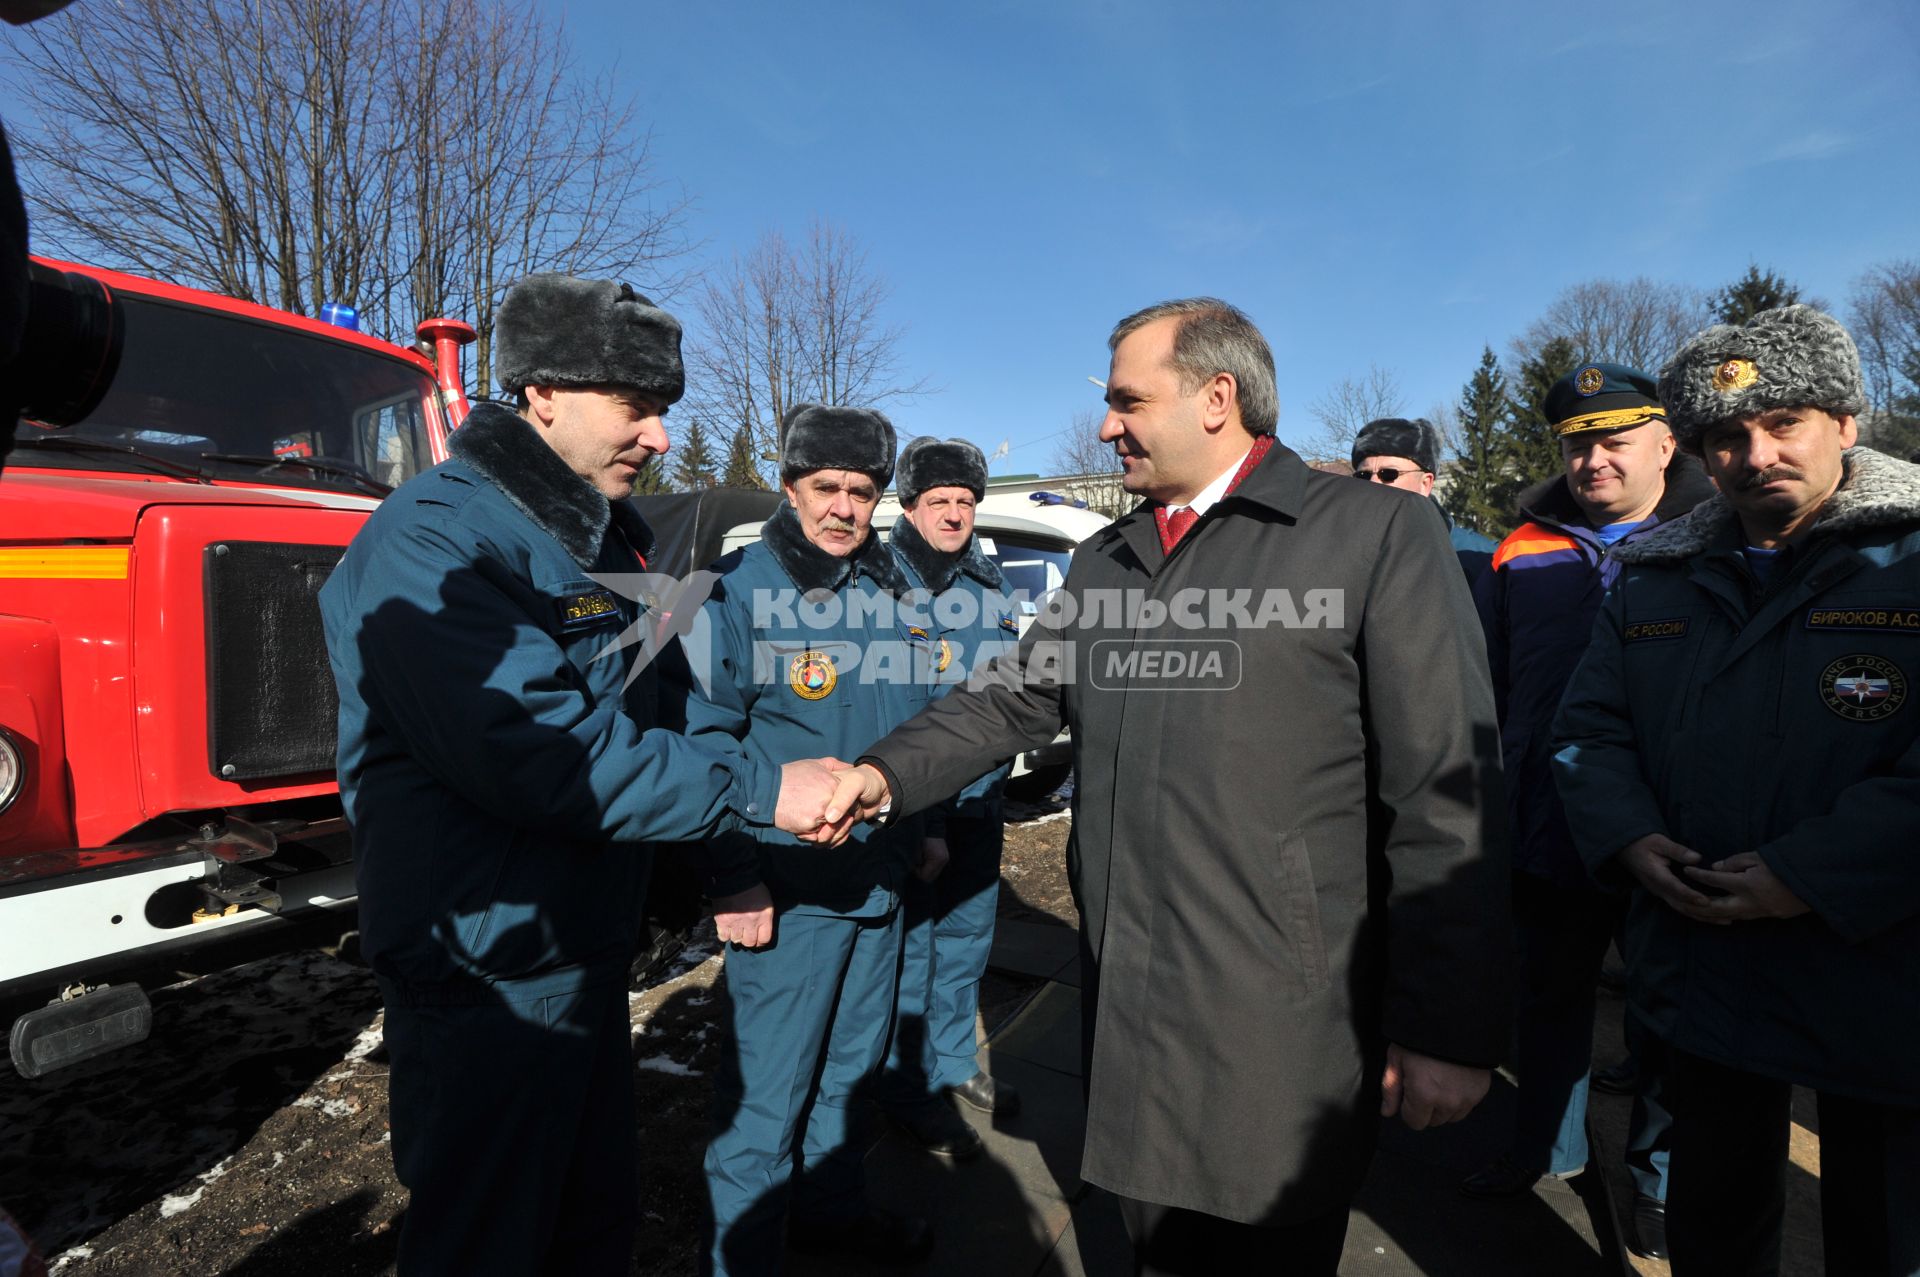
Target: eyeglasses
1385	474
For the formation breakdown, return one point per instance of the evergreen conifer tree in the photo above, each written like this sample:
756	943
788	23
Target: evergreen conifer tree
695	469
652	479
742	471
1530	451
1475	478
1747	296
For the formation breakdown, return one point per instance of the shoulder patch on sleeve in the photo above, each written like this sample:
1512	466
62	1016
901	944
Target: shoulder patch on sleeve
1528	539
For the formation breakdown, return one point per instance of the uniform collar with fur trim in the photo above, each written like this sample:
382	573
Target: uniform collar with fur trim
501	445
936	568
812	568
1878	491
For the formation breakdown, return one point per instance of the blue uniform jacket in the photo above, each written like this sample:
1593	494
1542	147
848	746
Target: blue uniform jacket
1780	721
774	677
969	621
1537	603
500	781
1473	549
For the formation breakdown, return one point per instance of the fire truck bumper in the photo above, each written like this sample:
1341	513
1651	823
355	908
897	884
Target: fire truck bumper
68	916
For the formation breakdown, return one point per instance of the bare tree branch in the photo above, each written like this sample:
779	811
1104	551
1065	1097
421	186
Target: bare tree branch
294	152
1350	404
1091	467
1639	322
785	325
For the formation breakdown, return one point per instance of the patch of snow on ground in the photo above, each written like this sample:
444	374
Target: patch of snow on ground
174	1203
1049	818
59	1262
331	1108
368	1042
666	1064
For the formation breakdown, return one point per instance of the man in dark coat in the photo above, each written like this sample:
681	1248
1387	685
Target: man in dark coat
1286	843
1623	479
503	782
1737	745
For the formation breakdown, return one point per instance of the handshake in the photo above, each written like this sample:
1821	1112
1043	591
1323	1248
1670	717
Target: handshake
821	799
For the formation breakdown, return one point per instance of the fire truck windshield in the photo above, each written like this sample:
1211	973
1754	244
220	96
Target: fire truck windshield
226	396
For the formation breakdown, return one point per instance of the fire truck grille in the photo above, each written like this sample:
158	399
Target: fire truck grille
271	706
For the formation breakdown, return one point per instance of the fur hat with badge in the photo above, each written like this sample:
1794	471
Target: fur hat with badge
814	437
555	330
1792	357
1415	440
928	462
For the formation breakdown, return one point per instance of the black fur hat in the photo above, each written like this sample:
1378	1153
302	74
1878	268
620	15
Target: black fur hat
555	330
1789	357
1415	440
813	437
928	462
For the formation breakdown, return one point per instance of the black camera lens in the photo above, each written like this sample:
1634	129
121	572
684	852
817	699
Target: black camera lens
71	348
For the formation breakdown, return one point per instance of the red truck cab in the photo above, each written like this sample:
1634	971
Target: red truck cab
167	714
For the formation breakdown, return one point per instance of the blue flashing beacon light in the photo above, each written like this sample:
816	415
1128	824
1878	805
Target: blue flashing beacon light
341	315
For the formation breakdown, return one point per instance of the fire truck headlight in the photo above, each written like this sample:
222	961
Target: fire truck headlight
13	771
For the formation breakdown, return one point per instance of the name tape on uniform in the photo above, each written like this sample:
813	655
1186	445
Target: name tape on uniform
1877	620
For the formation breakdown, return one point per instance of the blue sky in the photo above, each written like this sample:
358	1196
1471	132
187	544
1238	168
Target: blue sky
1393	184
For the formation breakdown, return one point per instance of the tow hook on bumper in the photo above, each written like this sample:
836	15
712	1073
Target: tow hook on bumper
78	1025
228	849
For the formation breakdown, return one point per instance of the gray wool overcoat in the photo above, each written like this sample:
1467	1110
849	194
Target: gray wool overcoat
1287	845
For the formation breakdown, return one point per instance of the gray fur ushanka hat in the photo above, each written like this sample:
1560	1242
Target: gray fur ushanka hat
555	330
1791	357
928	462
813	437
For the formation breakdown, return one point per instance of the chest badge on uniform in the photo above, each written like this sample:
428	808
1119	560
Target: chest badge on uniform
1008	624
812	675
1863	689
943	657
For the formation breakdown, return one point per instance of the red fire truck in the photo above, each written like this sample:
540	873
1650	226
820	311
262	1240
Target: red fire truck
166	708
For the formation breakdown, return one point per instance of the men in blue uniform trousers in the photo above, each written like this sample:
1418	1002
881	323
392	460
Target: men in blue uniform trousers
1623	479
805	652
1406	455
502	783
1739	746
968	621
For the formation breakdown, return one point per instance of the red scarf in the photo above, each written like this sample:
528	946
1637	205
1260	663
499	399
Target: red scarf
1172	529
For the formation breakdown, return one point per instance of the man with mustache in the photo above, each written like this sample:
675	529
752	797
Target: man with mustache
1737	746
503	780
804	650
1622	480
